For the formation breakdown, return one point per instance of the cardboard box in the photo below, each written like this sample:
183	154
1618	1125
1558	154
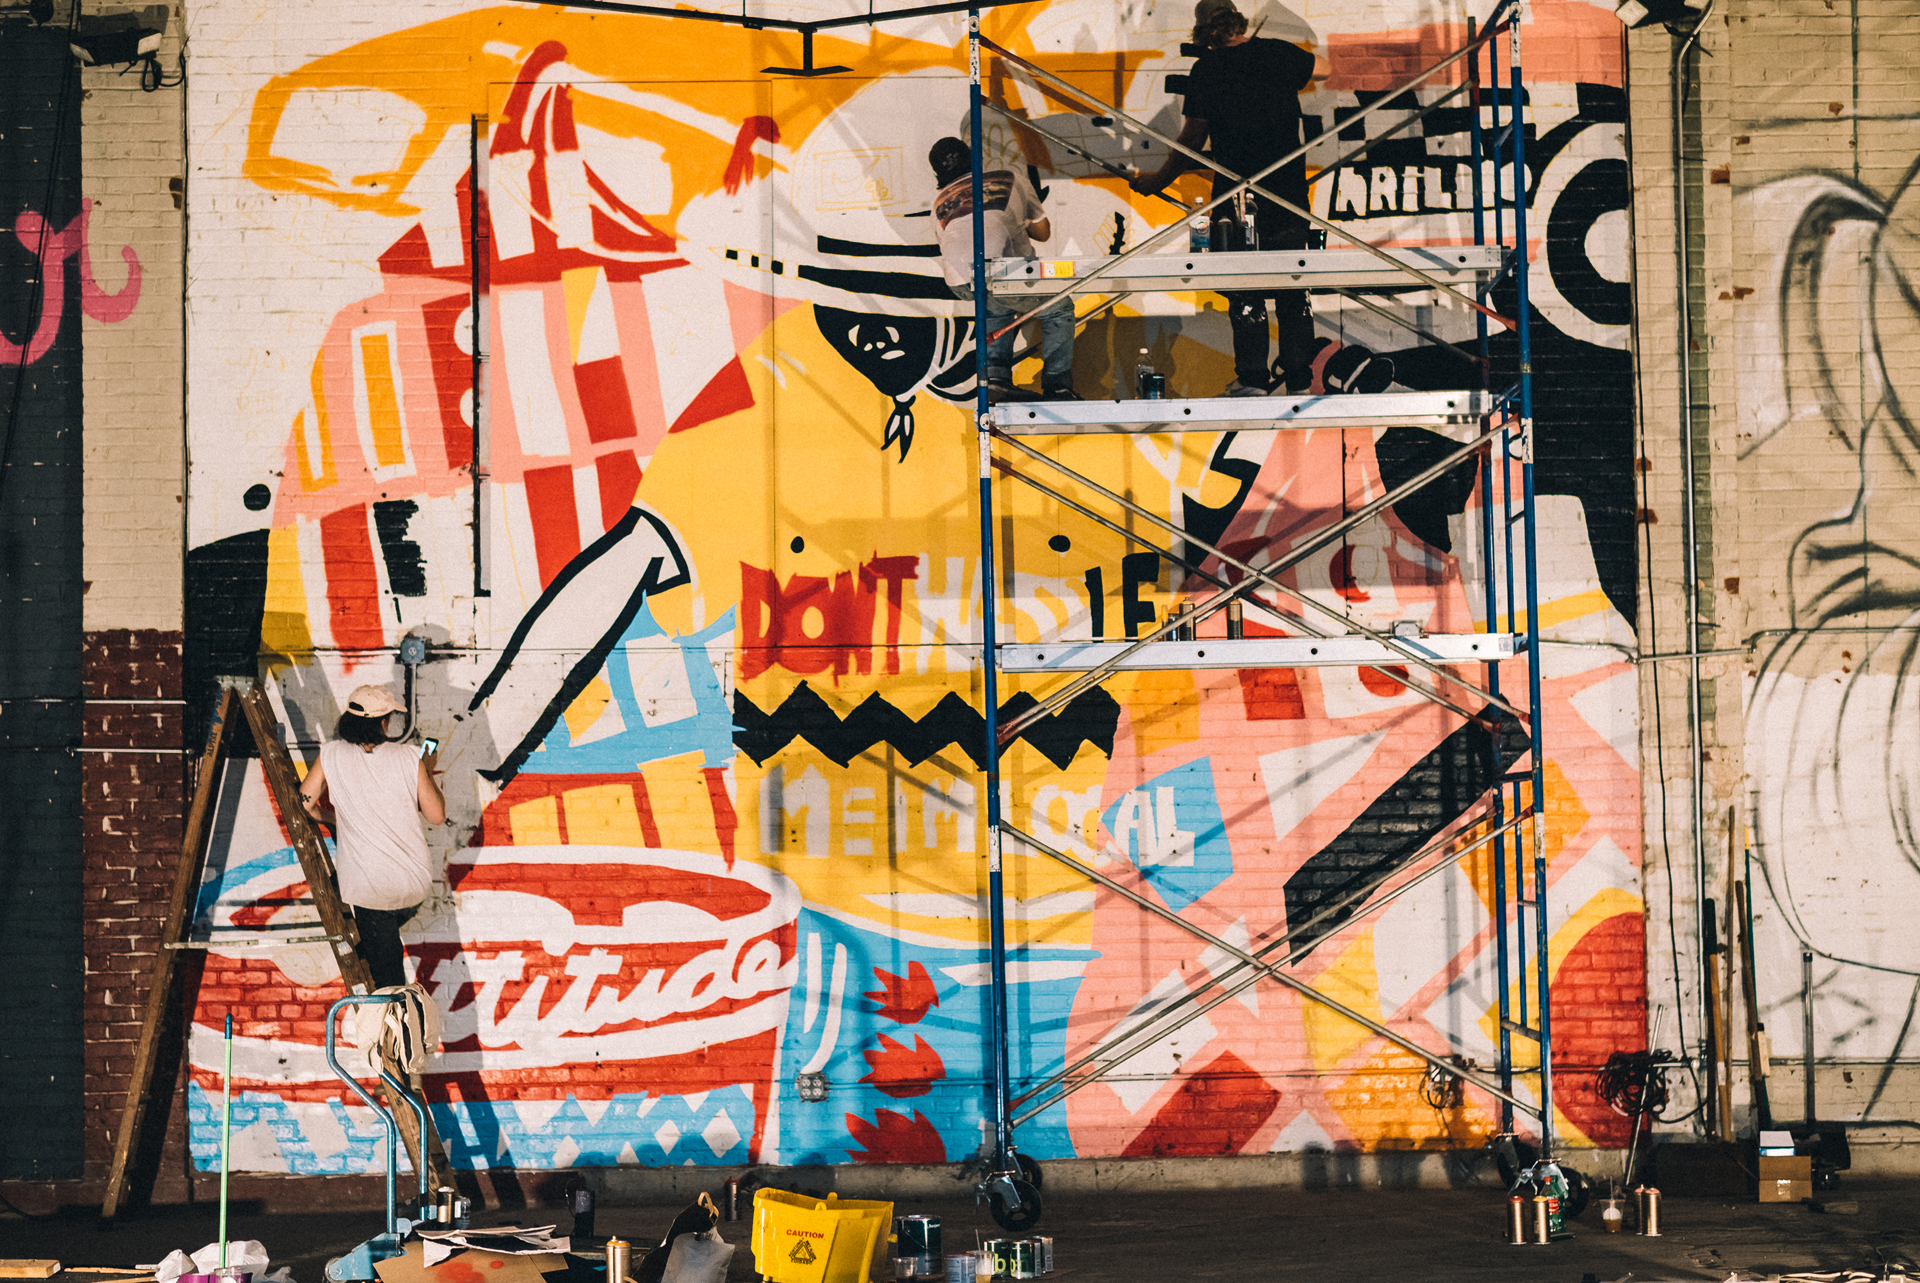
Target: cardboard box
1785	1180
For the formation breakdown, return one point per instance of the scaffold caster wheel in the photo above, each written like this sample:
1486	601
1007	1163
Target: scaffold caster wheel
1014	1203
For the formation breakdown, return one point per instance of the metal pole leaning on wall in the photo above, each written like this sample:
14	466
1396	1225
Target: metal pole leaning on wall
1542	969
1502	962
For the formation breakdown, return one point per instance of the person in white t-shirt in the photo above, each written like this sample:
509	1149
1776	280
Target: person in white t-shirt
1014	220
375	792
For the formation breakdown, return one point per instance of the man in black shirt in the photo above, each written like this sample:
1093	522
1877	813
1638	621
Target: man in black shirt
1243	95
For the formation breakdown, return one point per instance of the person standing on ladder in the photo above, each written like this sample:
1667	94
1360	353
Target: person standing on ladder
375	792
1243	94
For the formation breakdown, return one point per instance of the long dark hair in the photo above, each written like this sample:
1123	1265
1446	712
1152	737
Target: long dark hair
364	731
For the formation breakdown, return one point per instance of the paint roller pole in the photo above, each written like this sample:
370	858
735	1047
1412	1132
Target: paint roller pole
226	1134
990	660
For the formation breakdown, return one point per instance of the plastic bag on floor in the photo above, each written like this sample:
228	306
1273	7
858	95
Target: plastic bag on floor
247	1254
698	1258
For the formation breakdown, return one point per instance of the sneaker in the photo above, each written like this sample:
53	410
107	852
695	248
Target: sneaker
1061	394
1002	390
1237	388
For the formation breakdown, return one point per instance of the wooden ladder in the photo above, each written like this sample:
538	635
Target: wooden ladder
245	696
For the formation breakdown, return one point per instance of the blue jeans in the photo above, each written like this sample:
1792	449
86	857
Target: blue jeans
1056	343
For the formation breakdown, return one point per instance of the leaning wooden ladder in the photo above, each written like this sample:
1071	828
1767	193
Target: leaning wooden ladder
336	923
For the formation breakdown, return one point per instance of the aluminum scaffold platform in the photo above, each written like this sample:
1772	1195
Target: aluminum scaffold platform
1488	424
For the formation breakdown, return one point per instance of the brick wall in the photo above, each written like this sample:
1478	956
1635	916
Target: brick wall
134	788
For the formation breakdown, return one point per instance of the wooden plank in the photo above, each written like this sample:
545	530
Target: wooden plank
334	915
28	1269
186	882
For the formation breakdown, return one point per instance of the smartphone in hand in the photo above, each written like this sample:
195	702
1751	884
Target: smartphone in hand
428	744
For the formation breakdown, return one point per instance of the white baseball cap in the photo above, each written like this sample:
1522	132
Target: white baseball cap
373	701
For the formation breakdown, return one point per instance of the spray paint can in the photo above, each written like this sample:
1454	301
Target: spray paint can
443	1209
1554	1185
462	1213
1542	1219
619	1258
1517	1221
1650	1213
733	1198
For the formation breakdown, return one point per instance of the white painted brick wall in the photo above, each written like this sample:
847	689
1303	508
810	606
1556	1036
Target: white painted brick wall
133	171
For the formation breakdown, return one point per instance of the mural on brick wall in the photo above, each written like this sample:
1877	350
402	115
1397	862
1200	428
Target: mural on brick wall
1829	758
698	562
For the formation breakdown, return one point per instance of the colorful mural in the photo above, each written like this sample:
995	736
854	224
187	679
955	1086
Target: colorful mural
695	546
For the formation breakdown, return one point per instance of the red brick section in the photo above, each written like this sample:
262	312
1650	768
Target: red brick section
134	804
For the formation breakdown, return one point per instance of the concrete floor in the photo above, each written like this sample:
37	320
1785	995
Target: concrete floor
1371	1234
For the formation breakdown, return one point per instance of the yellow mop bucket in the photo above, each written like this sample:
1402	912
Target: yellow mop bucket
797	1239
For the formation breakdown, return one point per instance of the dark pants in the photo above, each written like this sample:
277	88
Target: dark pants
380	942
1293	316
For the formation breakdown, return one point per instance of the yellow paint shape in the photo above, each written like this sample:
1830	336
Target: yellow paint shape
603	814
682	810
1565	818
578	285
383	401
314	441
1380	1099
1164	710
1354	982
1577	606
535	823
587	707
283	621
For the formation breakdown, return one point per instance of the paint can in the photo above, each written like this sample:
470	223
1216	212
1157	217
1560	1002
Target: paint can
1043	1244
1001	1250
1517	1221
960	1268
918	1238
1650	1212
1025	1259
906	1267
1542	1219
619	1258
733	1198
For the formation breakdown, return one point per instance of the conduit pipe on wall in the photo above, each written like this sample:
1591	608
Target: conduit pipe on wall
1677	93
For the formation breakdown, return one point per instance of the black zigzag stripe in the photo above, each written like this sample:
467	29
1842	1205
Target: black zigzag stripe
1091	718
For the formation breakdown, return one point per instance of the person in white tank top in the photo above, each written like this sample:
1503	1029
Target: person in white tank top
377	791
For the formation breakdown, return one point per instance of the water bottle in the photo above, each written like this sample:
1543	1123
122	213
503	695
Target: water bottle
1198	233
1144	382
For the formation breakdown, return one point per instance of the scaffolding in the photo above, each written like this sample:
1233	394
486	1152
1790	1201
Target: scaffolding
1491	426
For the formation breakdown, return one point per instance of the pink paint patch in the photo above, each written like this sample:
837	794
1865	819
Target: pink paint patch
1568	42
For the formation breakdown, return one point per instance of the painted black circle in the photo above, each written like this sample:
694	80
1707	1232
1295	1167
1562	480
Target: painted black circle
257	497
798	544
1059	543
1598	189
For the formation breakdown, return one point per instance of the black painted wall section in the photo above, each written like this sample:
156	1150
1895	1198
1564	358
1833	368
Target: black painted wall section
41	1076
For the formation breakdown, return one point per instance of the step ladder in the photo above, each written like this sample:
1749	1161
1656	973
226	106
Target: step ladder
242	697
